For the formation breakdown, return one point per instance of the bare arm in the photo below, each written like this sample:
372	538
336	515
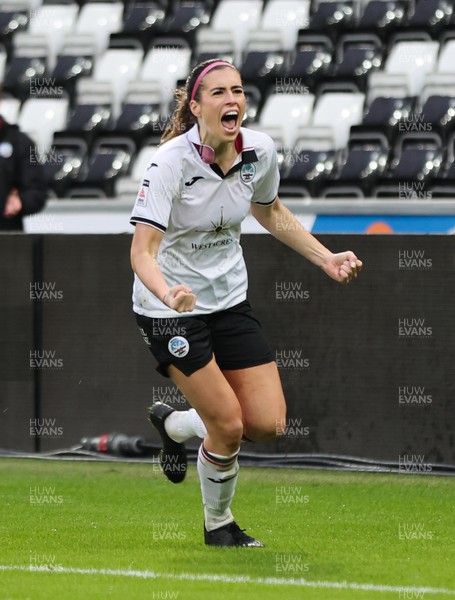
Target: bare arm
283	225
144	252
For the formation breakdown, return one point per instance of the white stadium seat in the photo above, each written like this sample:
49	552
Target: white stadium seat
20	4
118	67
446	60
339	110
315	138
288	16
128	187
9	109
386	85
40	118
100	19
55	22
288	111
413	60
238	18
166	65
219	43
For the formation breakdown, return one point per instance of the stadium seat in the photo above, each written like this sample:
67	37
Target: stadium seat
436	106
118	66
64	164
239	18
109	159
100	19
287	16
277	135
144	111
359	165
412	60
382	16
54	22
443	186
12	21
76	60
127	187
264	58
446	59
356	56
9	109
29	5
213	44
143	18
92	109
387	114
41	118
311	59
188	15
27	71
333	16
415	160
338	110
253	102
431	15
311	162
167	63
296	107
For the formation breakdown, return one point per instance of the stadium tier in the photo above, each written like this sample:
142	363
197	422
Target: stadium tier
358	95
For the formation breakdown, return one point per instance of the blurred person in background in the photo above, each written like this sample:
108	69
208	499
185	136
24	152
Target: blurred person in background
22	188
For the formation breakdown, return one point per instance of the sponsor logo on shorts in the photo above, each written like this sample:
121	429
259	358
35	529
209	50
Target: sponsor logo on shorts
178	346
247	173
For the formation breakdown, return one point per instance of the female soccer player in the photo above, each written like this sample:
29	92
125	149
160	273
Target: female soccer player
191	282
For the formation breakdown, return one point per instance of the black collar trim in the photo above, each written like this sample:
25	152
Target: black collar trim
248	156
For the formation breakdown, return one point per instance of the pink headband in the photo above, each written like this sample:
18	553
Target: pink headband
204	72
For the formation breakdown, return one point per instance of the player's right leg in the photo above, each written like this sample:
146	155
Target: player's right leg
208	391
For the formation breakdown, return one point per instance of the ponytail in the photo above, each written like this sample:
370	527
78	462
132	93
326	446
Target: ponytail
182	119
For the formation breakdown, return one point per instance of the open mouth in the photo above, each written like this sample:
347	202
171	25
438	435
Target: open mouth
229	121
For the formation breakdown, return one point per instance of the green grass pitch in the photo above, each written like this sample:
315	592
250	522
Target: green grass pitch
95	530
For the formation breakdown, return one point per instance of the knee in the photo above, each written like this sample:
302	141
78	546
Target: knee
267	427
228	431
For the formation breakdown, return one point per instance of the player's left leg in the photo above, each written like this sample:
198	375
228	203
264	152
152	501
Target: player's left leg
261	397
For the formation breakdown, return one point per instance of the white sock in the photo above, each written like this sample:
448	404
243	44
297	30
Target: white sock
218	476
181	425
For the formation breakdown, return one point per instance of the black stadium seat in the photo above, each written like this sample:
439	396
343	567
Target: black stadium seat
261	68
356	56
361	163
431	15
308	169
109	159
65	163
332	17
311	59
416	159
438	113
383	16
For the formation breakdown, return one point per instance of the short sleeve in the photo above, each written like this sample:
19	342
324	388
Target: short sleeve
266	186
154	201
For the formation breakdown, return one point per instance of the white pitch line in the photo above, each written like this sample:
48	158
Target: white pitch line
340	585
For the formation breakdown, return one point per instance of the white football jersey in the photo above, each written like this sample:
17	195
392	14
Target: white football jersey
199	210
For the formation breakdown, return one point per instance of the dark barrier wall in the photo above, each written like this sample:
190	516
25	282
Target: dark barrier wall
16	339
367	368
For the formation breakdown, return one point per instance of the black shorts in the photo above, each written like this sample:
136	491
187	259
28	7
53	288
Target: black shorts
233	335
